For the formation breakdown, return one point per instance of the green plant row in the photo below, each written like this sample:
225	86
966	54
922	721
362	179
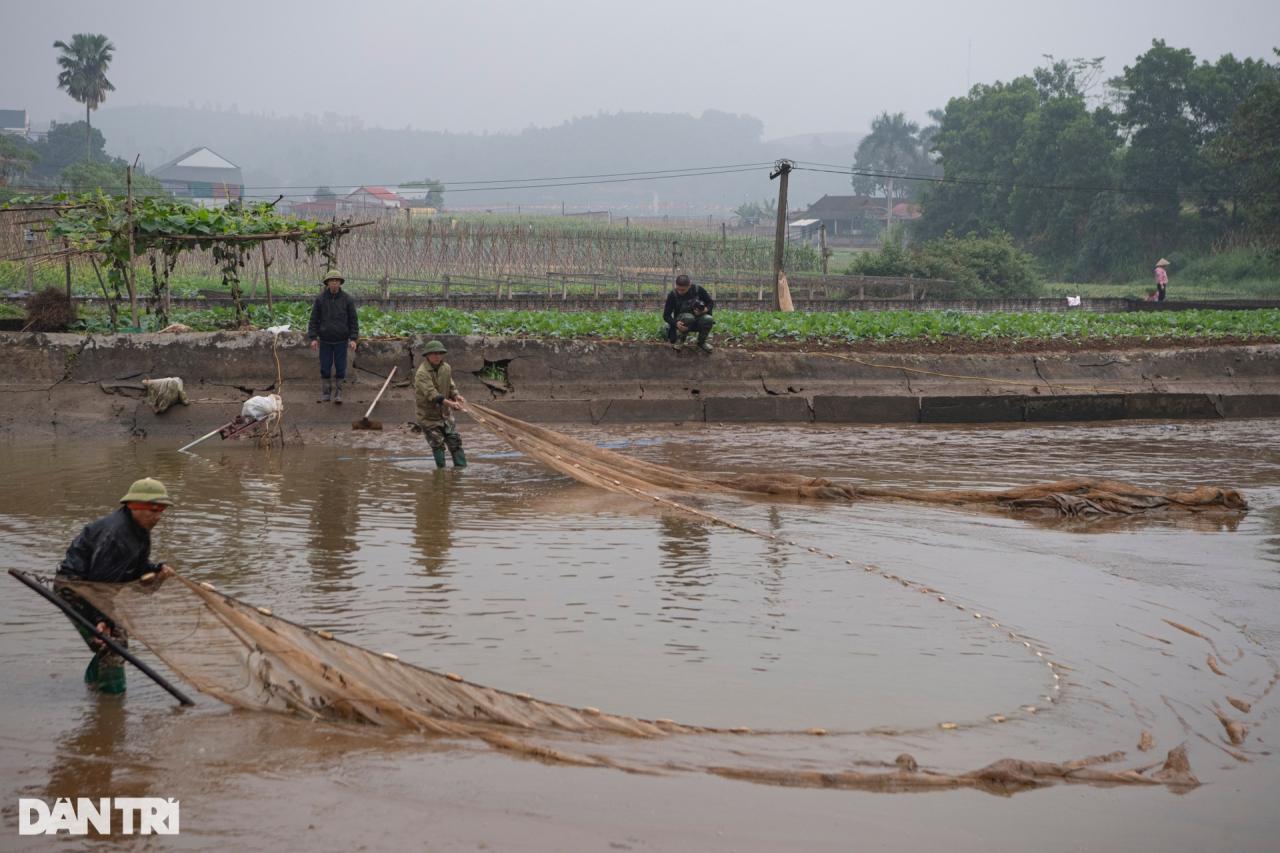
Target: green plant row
759	326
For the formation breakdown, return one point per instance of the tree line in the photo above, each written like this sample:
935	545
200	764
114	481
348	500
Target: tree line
1174	156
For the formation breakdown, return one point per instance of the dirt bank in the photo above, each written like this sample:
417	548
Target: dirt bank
73	384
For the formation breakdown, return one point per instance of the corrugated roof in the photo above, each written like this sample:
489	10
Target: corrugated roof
837	205
379	192
172	171
13	118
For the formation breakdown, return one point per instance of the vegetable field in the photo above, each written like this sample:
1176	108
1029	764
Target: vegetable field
767	327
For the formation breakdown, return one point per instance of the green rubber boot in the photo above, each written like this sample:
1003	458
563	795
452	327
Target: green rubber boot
459	459
107	676
438	453
91	671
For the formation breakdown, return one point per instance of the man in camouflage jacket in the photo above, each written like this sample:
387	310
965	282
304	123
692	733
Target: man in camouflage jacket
438	399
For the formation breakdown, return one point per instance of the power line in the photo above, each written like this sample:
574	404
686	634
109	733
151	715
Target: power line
561	180
1012	183
265	196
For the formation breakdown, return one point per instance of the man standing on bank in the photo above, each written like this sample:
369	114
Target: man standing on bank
438	399
333	328
688	309
114	549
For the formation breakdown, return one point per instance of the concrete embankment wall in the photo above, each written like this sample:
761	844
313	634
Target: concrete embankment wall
73	384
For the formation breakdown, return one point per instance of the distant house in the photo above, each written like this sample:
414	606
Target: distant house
848	215
202	175
373	200
15	123
906	211
320	208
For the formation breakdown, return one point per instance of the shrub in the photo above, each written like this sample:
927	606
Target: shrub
1233	265
990	266
50	311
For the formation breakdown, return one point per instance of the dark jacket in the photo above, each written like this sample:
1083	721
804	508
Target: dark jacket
333	318
113	549
677	304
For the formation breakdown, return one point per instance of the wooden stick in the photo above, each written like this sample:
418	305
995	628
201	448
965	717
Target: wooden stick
205	437
380	391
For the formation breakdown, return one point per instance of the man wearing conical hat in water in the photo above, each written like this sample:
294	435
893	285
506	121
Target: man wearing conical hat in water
114	549
1162	279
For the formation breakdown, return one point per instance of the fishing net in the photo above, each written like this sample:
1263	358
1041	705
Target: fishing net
610	470
250	658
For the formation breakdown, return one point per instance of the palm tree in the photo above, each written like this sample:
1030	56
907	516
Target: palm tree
84	74
892	148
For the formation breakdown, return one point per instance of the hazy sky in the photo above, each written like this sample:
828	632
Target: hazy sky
474	65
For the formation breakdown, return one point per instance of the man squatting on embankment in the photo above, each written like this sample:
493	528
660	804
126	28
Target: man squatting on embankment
688	309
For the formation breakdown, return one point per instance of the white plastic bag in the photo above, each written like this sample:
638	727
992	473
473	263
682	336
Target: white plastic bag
262	407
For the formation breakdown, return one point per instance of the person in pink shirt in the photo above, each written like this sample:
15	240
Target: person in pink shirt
1162	279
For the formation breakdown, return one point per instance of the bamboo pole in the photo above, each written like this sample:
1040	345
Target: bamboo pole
266	281
128	207
107	639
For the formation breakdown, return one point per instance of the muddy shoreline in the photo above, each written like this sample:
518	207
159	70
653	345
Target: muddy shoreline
67	385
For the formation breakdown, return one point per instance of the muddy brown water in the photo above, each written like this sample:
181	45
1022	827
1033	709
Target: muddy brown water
521	579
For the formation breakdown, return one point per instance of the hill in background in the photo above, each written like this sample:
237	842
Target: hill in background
298	154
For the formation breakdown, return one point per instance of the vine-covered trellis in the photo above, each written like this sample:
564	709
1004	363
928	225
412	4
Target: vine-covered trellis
119	230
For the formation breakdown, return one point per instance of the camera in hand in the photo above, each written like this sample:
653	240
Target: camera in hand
699	307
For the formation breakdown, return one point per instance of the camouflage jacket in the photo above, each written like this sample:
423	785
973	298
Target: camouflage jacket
431	386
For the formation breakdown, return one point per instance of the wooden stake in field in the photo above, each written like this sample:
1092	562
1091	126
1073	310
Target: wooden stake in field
266	281
128	212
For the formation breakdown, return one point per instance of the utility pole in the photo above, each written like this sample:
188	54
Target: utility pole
781	169
888	207
822	242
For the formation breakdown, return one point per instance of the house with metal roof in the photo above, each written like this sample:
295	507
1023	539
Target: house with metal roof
15	123
847	215
373	200
203	176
